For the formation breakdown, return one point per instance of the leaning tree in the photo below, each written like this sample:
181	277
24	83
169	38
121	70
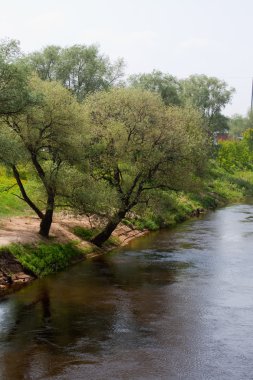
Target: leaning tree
44	136
135	144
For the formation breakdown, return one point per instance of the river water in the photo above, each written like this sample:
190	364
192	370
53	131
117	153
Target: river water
176	304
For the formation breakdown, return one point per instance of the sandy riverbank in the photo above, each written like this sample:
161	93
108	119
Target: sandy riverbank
24	230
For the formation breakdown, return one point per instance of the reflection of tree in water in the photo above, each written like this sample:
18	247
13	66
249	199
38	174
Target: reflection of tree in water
140	300
42	330
25	311
26	326
45	304
109	307
133	273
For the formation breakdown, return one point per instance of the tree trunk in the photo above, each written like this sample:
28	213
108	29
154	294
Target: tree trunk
104	235
46	222
24	194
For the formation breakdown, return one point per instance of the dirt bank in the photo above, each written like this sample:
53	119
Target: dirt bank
24	230
12	274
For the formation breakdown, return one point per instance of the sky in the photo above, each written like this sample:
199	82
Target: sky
179	37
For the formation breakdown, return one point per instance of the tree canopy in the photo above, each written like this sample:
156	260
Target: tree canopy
165	85
239	124
44	136
14	93
98	144
209	95
138	145
80	68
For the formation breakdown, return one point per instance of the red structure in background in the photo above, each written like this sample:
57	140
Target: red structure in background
222	137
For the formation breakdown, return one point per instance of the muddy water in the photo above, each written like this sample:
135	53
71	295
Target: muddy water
173	305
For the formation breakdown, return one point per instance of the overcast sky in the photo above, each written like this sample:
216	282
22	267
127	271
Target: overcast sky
180	37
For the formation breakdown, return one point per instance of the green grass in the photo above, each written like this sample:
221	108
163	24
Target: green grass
85	233
89	233
145	223
10	204
44	259
217	189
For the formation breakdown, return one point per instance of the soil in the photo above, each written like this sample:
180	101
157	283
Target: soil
24	230
12	274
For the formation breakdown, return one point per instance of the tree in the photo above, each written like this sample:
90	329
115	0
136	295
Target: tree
210	96
46	62
14	93
138	145
80	68
248	140
237	125
44	135
234	155
165	85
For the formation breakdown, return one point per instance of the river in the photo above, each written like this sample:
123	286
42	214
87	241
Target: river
175	304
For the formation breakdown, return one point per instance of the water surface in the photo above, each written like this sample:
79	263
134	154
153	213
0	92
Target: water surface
173	305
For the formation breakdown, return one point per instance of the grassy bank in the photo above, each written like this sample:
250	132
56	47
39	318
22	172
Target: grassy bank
169	208
44	259
10	201
218	189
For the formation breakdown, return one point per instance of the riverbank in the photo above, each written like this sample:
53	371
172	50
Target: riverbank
178	302
25	255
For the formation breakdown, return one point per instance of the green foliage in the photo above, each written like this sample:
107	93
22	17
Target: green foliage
248	140
209	95
120	149
234	155
145	223
244	180
44	135
165	85
222	186
237	154
45	258
14	89
89	233
112	241
91	196
135	140
10	203
85	233
227	190
80	68
136	144
170	207
237	124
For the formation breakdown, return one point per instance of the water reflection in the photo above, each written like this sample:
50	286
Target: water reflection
176	304
76	314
